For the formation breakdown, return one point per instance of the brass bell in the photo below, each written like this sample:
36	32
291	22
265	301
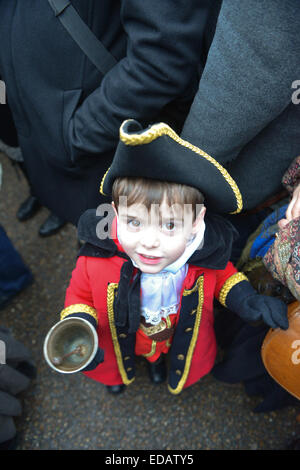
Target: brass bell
70	345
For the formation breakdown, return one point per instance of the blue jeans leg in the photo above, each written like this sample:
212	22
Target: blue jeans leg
14	274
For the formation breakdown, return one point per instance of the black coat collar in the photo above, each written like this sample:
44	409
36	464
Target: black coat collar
215	254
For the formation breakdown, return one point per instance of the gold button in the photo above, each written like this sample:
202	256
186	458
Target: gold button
180	357
126	358
129	369
193	311
178	372
122	335
188	329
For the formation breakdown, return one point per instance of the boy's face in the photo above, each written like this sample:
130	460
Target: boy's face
155	239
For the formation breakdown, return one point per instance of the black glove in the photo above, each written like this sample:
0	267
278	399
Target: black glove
99	357
251	306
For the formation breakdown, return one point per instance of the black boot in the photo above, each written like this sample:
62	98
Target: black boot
51	226
28	208
115	389
157	370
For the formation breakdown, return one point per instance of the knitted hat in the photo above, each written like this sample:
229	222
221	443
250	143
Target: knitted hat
158	153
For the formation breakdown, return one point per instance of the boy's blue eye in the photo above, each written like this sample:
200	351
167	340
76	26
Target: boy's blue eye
134	223
169	226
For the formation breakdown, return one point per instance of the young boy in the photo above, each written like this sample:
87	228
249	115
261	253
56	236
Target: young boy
149	287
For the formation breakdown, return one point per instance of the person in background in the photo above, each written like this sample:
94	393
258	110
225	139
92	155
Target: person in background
17	371
66	111
9	146
14	274
16	365
246	112
291	180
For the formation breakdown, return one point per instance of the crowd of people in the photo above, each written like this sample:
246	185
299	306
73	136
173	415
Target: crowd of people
163	103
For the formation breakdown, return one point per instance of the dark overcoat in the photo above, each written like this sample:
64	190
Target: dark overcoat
66	113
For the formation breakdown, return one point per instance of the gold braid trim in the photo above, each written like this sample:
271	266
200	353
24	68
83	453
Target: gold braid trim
178	389
79	308
229	284
153	349
111	318
196	287
157	130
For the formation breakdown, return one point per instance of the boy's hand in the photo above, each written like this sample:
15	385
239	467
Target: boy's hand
271	310
251	306
99	357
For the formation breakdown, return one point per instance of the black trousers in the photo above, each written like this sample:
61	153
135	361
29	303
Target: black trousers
8	134
8	131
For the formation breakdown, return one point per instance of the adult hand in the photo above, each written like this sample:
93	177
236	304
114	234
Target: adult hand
293	209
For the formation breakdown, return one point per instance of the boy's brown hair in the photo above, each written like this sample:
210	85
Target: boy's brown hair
148	192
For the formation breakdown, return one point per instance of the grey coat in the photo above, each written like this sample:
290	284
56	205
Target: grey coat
243	114
14	378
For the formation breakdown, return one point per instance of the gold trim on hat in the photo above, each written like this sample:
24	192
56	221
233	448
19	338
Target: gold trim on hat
79	308
229	284
102	182
159	129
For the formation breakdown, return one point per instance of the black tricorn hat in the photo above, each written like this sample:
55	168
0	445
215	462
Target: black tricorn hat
158	153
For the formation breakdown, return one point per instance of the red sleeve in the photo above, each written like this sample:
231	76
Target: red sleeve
222	275
79	290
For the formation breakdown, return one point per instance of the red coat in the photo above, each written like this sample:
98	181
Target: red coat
94	283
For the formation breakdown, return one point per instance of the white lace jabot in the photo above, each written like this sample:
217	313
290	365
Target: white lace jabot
161	294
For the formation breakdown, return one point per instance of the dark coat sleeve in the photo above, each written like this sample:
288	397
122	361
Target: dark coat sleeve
164	40
248	77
